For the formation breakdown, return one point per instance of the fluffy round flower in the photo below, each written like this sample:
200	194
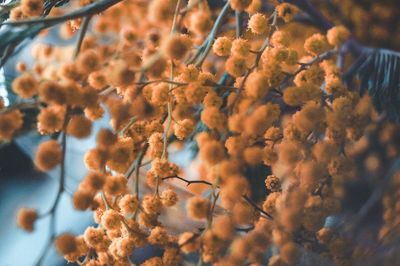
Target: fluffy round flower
212	99
48	155
79	126
289	152
161	11
198	208
269	156
243	213
128	204
95	180
10	122
129	34
26	218
95	159
273	134
239	5
286	11
105	138
309	118
273	183
295	96
120	75
88	61
190	73
240	48
258	24
335	87
25	85
213	118
253	155
32	8
223	227
183	128
51	119
234	188
256	85
280	38
111	220
169	198
66	244
311	173
82	199
160	94
261	119
236	66
188	242
337	35
115	185
212	152
200	22
269	205
93	236
158	236
172	256
152	204
254	7
316	44
177	46
222	46
52	92
97	80
195	93
156	145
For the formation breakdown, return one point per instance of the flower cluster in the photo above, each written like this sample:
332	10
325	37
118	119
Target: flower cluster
249	98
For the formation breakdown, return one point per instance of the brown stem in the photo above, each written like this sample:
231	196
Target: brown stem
84	28
188	182
61	189
88	10
255	206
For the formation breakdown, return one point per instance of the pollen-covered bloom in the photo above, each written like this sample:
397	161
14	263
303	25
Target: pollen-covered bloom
32	8
286	11
48	155
198	208
26	218
25	86
51	119
222	46
337	35
10	122
316	44
239	5
258	24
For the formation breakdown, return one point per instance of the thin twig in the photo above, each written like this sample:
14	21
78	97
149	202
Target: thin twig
88	10
255	206
84	28
188	182
61	188
212	34
238	24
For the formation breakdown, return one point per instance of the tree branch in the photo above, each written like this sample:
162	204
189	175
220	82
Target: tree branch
188	182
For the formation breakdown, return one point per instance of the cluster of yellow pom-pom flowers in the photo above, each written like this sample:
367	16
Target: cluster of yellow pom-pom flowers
162	80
